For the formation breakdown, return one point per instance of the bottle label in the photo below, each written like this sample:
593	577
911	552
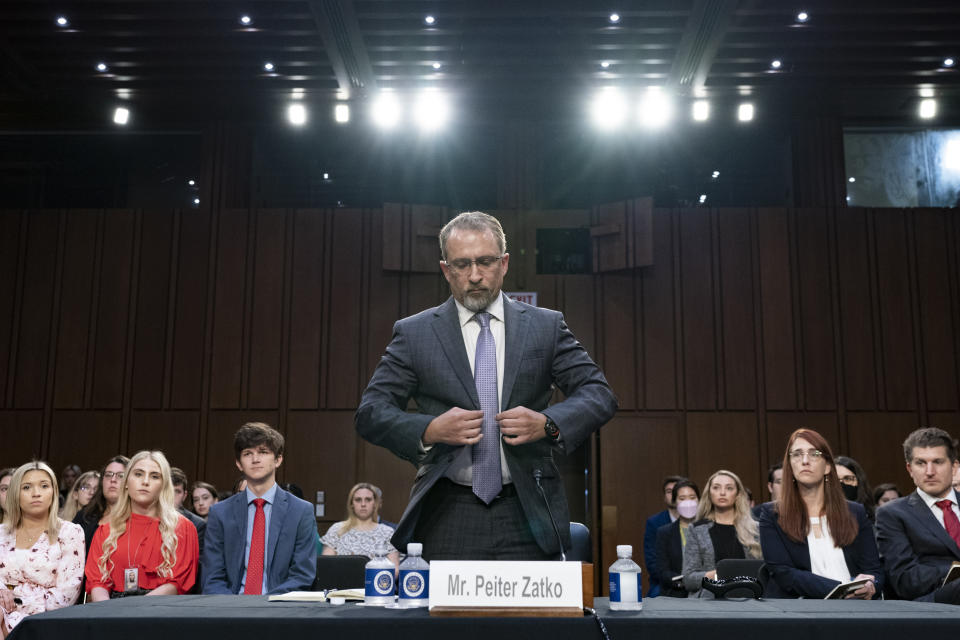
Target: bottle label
626	587
414	584
378	583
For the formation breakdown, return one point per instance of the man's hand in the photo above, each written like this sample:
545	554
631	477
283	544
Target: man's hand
455	426
521	425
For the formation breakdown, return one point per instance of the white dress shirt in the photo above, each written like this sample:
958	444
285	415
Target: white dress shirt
932	503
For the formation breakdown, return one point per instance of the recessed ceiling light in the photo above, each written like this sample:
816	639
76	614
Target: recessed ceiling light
656	108
297	114
196	201
948	62
701	110
191	182
102	66
605	64
429	19
928	108
268	66
851	179
431	110
703	198
775	64
436	65
341	113
121	115
715	175
803	16
614	18
385	110
608	109
246	20
745	112
326	176
62	21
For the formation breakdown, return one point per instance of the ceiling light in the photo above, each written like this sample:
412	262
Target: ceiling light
701	110
950	158
745	112
775	64
851	179
124	93
948	62
245	20
268	66
608	109
703	198
341	113
436	65
928	108
429	19
432	110
803	16
191	182
102	66
605	64
121	115
385	110
715	175
326	176
655	108
926	92
297	114
196	201
297	93
62	21
614	18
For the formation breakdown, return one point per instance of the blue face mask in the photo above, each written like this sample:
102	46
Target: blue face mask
687	508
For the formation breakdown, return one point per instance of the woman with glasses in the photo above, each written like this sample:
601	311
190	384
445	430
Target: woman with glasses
5	476
855	486
80	495
813	539
108	492
724	528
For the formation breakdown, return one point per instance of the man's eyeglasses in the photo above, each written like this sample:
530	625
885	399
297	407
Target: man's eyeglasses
463	264
797	454
110	475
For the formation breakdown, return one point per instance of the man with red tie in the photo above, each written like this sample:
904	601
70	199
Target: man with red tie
261	540
919	534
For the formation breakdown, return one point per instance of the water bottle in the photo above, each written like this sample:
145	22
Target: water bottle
378	579
414	578
625	587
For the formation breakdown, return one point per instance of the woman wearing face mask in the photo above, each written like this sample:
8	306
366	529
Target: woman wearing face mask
41	556
855	486
724	529
672	538
146	547
814	539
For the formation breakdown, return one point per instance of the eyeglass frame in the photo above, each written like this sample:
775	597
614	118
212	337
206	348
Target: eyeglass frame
110	475
467	263
813	454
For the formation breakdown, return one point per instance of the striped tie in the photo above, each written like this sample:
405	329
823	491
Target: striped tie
485	455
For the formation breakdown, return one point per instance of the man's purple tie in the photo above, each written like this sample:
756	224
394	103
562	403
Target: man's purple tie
485	455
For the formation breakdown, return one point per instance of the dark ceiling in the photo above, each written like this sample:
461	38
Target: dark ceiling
189	61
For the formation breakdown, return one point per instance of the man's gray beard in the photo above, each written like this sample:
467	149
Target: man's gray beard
478	303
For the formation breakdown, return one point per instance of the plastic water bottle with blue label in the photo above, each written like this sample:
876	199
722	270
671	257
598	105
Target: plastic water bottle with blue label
414	578
378	579
626	591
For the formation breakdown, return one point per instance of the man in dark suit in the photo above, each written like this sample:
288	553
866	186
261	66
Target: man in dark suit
654	522
919	534
261	540
482	369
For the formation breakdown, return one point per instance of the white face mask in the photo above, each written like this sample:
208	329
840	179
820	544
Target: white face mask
687	508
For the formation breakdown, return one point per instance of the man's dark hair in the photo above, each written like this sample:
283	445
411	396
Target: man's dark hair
773	470
178	477
254	434
671	480
927	438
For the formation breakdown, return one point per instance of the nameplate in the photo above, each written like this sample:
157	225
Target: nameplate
456	583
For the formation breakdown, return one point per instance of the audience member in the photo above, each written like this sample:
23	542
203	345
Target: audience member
179	479
276	552
6	475
80	495
146	547
41	556
884	493
68	477
853	482
361	533
108	492
203	495
672	538
812	538
919	534
724	529
654	522
775	481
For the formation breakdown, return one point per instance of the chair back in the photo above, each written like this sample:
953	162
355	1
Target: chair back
731	568
340	572
580	548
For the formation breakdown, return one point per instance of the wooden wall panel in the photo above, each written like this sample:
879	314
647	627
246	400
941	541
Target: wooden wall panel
699	333
857	324
816	309
776	304
321	450
229	311
344	313
219	466
723	440
22	437
10	245
380	467
781	424
267	315
876	442
658	312
86	438
175	433
306	309
739	360
619	321
189	319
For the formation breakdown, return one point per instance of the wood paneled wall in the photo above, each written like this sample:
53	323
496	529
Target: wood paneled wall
121	330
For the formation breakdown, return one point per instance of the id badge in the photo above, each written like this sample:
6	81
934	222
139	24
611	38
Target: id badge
131	580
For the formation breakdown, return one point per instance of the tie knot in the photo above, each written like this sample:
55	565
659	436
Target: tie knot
259	502
483	318
944	504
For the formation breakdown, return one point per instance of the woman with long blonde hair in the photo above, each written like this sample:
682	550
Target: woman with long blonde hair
41	556
145	547
361	533
724	529
80	495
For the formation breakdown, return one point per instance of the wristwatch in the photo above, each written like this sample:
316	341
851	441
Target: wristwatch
551	429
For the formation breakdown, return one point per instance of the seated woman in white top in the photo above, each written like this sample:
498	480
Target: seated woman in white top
361	533
812	538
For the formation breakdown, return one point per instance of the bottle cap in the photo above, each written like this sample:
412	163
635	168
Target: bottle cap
337	600
624	549
414	548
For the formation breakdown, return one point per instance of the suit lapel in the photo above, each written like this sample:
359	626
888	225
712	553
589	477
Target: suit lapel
516	323
239	509
446	326
925	516
277	514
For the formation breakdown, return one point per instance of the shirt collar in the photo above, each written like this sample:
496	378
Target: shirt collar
932	502
268	496
495	309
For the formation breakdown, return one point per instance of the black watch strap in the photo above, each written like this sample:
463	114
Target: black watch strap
551	429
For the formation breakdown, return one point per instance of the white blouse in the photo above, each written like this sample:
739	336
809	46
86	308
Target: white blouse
826	559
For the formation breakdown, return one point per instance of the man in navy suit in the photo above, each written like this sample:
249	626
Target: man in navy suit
654	523
524	353
288	551
919	534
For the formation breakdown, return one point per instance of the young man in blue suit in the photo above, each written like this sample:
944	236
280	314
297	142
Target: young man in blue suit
261	540
919	534
482	369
